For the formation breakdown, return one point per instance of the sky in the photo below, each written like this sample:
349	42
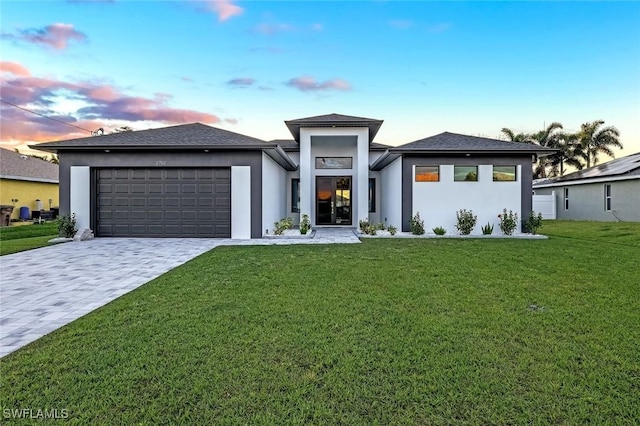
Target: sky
246	66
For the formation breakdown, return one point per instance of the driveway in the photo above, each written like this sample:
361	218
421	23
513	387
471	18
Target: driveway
43	289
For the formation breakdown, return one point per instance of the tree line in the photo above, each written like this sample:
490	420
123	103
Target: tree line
582	149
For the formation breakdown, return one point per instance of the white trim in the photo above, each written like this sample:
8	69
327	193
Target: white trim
80	195
241	202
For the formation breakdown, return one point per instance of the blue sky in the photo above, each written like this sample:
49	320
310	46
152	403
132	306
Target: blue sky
246	66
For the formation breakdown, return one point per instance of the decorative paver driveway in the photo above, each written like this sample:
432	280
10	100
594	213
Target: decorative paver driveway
41	290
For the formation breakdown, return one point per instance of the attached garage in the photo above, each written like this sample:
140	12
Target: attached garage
157	202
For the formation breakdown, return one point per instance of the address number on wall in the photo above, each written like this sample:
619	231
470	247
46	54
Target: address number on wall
161	163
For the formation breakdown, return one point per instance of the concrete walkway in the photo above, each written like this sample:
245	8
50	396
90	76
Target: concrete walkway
43	289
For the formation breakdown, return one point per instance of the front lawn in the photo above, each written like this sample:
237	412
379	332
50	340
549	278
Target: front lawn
420	331
26	237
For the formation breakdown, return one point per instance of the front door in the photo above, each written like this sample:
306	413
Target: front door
333	200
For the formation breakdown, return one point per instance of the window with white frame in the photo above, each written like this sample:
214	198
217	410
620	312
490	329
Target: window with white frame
607	197
566	198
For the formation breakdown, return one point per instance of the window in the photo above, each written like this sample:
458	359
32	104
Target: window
566	198
334	162
465	173
504	173
295	195
372	195
607	197
427	173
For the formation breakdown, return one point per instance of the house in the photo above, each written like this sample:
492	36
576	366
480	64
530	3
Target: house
26	182
606	192
195	180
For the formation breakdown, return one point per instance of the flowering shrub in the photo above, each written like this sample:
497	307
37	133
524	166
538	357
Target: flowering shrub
508	222
305	224
466	221
416	225
533	222
283	225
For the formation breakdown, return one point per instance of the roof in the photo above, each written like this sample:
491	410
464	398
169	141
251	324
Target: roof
291	145
627	167
457	143
195	135
16	166
333	120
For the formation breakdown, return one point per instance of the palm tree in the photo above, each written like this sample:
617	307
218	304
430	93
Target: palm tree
568	154
549	138
515	137
593	141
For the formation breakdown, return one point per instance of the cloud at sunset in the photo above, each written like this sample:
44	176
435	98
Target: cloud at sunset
54	36
225	9
95	105
13	68
310	84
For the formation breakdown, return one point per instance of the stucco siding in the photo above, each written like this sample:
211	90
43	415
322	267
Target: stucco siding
438	202
391	194
27	193
274	184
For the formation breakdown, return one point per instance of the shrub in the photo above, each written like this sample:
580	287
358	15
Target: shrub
416	225
363	224
67	226
487	229
533	222
392	229
283	225
439	230
305	224
466	221
508	222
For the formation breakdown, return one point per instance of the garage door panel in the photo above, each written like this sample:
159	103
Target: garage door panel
164	202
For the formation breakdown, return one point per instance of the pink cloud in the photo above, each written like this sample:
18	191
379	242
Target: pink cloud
310	84
225	9
104	104
14	68
56	36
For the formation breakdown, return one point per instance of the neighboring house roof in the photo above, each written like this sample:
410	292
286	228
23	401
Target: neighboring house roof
16	166
195	135
454	142
334	120
624	168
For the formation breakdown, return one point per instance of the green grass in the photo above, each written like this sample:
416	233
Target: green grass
26	237
404	331
627	233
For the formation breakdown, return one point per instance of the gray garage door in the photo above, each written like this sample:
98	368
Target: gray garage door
164	202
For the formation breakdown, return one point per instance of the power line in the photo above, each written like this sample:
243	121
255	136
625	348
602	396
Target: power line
44	116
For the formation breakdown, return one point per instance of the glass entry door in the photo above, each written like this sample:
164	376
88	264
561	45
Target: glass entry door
333	200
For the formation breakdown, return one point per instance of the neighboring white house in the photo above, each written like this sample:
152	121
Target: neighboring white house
199	181
606	192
